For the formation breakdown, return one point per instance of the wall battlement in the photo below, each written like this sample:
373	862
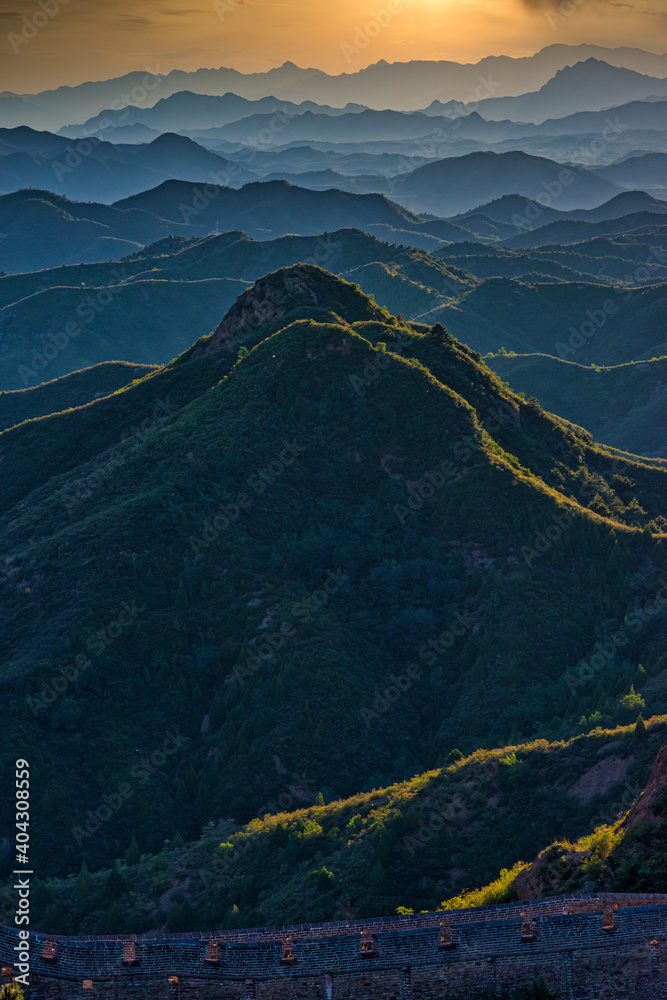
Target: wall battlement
584	947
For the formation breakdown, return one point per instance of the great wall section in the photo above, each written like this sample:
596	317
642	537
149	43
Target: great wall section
607	946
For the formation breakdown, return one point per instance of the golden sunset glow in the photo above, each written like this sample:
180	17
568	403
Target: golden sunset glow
85	40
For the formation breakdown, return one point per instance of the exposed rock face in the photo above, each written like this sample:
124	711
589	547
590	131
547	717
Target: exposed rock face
650	807
267	302
600	778
289	293
560	869
547	873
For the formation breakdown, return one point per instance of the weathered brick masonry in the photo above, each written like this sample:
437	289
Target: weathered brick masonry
586	948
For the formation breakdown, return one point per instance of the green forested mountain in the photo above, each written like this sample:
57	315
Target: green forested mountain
624	406
626	854
321	540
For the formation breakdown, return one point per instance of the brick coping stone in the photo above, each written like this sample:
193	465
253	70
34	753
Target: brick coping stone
550	906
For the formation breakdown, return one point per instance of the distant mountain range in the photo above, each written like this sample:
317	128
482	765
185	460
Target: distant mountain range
588	86
514	209
104	172
39	229
647	171
412	85
185	110
567	232
616	119
458	184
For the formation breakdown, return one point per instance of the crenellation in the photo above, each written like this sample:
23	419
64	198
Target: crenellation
458	954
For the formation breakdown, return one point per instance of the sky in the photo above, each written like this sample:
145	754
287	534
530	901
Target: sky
48	43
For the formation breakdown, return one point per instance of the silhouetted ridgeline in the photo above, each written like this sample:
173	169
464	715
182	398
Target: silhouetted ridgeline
608	945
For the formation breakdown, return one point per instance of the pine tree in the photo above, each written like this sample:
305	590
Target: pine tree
84	882
233	919
114	887
640	726
319	801
181	601
133	854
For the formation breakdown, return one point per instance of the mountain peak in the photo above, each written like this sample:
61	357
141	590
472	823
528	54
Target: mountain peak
295	292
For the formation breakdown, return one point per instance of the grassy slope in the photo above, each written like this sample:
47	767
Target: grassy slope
624	406
412	844
67	392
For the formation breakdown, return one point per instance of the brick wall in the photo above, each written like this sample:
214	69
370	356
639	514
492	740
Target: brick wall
492	948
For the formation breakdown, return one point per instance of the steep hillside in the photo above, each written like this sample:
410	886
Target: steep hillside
624	406
260	541
408	845
67	392
627	855
588	324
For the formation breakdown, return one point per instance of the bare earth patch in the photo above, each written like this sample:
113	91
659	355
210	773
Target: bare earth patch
600	778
